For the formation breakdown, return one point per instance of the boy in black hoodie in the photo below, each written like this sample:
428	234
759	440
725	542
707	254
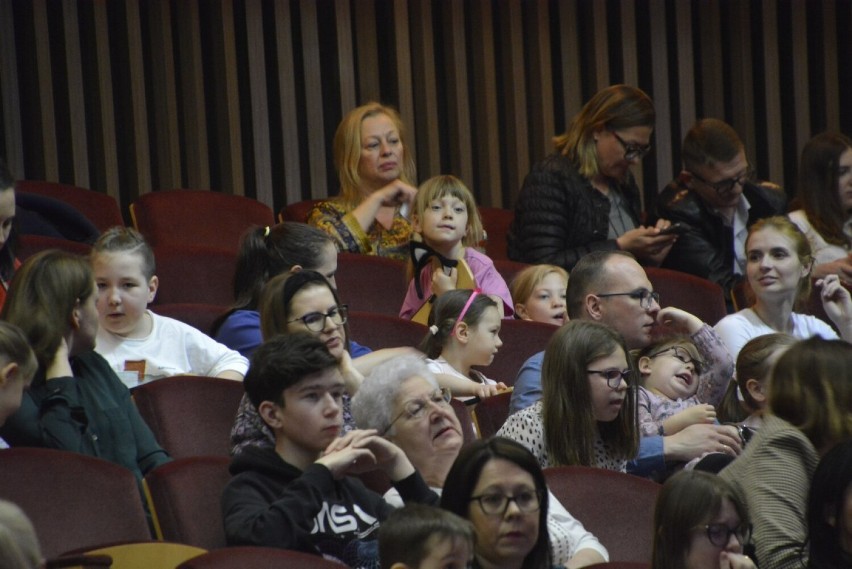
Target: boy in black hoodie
298	495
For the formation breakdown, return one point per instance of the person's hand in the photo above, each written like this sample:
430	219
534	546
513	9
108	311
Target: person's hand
352	378
698	415
362	451
485	390
673	320
696	440
394	194
647	243
729	560
443	282
836	299
841	267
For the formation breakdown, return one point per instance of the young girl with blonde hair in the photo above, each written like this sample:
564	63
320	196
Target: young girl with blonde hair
449	227
539	292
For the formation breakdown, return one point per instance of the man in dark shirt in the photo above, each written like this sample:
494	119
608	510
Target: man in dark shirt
716	200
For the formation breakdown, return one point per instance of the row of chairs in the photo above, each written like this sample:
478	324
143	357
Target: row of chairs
79	503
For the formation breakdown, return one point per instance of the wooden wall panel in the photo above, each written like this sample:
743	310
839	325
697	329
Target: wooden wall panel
130	96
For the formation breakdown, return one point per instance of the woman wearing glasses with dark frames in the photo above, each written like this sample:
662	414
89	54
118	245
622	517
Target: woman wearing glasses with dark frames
700	523
583	197
587	413
299	302
498	486
402	400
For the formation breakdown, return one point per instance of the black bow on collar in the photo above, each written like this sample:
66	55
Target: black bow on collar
421	256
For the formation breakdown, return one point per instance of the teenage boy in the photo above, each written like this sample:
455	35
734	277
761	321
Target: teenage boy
299	495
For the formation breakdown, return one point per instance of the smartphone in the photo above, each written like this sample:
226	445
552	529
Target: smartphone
676	228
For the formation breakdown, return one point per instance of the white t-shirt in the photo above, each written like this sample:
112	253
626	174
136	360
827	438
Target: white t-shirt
737	329
172	348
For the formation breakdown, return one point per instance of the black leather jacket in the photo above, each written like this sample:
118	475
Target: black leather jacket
707	248
560	216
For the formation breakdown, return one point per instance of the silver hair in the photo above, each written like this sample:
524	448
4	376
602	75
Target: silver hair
373	405
18	542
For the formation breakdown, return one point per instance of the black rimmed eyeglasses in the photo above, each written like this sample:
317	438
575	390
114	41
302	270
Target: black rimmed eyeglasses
416	408
495	504
612	375
720	534
680	353
315	321
644	296
723	187
632	151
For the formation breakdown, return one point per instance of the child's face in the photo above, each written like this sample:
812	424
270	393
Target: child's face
447	553
12	386
123	292
312	414
484	338
444	222
670	372
7	214
607	401
547	301
318	300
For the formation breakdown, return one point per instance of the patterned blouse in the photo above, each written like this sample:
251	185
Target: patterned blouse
654	409
336	220
527	427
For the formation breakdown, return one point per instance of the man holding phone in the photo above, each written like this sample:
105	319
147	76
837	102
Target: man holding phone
713	202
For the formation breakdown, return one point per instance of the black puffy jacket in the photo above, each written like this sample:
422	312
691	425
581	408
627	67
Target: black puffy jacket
560	216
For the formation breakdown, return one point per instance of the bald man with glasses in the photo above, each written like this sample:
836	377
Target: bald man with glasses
610	287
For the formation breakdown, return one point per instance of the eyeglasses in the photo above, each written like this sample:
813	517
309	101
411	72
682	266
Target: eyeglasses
720	534
315	321
632	151
644	296
681	354
527	501
723	187
416	408
612	375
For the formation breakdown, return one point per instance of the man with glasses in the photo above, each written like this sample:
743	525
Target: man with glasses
610	287
716	199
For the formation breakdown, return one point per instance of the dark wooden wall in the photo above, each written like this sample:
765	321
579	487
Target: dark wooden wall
132	96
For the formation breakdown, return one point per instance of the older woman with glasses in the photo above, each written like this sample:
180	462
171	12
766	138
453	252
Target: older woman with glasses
583	197
700	523
402	400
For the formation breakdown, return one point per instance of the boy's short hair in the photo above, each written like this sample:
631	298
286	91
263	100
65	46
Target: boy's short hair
283	361
406	535
126	239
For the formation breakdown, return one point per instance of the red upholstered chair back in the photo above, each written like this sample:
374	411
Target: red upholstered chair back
697	296
196	274
619	565
297	211
521	339
190	415
73	500
184	498
490	414
509	269
99	208
377	331
466	419
240	557
496	222
617	508
197	217
371	284
29	245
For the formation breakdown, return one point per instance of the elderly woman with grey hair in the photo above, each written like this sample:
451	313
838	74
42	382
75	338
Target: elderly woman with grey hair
402	400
